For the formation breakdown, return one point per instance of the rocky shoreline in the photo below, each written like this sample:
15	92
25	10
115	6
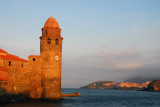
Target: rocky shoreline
147	86
6	97
154	86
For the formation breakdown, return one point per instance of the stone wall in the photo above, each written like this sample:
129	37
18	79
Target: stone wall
35	69
15	70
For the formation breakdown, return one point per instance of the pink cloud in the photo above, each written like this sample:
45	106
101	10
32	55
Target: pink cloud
128	66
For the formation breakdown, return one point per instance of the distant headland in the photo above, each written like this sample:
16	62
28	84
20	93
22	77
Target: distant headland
153	86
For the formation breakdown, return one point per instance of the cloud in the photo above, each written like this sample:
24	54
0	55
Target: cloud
128	66
114	65
117	60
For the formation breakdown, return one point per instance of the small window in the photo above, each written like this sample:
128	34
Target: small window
9	63
46	32
49	40
22	65
57	42
34	59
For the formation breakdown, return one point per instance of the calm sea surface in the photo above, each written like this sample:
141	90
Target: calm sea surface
99	98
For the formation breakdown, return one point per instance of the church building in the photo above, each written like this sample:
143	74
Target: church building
40	75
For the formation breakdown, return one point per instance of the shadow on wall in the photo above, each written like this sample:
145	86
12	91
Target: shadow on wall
6	97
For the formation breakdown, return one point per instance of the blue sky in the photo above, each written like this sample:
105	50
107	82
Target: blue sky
103	39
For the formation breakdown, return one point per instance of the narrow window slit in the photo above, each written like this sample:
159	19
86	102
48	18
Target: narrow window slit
9	63
57	42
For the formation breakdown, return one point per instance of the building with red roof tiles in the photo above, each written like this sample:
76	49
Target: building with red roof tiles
3	52
40	76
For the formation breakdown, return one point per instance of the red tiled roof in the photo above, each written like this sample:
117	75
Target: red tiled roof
2	51
11	57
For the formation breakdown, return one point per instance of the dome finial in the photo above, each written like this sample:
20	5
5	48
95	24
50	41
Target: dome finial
51	22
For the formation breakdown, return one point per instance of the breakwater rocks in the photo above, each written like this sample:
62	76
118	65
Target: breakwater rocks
116	85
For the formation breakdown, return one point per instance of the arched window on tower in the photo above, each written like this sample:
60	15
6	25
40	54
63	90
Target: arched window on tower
57	42
49	40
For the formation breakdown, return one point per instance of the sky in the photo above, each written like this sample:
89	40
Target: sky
103	39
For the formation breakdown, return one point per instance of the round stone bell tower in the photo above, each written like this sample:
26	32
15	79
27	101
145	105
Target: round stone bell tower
51	54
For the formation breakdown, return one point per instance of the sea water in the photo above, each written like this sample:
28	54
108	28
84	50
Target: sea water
98	98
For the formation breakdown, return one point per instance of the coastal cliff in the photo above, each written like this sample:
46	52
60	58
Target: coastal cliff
154	86
116	85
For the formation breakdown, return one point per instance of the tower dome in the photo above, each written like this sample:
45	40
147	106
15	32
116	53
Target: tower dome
51	22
